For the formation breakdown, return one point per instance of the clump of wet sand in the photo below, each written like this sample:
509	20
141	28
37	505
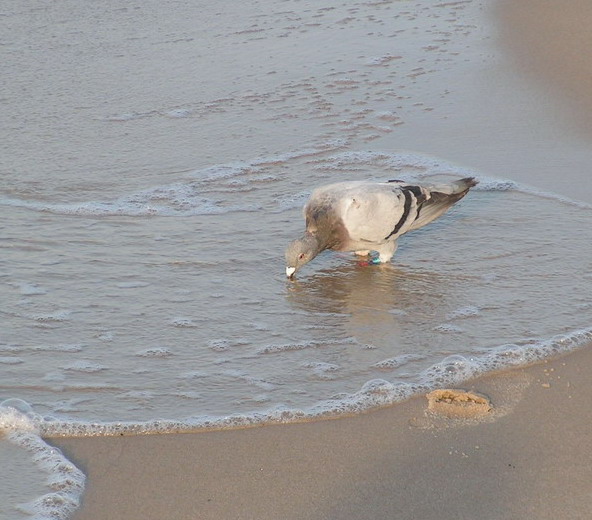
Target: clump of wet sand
458	404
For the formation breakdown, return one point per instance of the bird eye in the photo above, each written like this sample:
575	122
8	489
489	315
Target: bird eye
300	256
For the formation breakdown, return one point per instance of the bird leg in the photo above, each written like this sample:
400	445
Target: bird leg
373	260
386	251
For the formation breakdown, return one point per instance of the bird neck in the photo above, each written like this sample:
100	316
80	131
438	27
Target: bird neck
315	242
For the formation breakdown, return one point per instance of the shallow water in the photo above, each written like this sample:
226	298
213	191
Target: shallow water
156	162
116	314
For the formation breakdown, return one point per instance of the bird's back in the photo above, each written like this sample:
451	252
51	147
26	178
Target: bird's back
361	211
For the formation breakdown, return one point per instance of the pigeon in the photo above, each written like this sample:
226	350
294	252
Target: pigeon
362	217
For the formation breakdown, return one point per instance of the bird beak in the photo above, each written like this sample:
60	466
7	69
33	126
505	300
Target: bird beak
290	272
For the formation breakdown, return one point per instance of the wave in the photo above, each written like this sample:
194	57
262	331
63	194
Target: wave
184	199
21	424
193	197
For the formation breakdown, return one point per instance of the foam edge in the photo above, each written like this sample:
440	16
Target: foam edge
64	479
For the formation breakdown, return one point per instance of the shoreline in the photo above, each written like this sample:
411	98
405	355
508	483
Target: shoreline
513	463
318	412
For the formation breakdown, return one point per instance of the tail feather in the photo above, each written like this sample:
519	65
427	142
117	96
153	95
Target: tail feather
442	198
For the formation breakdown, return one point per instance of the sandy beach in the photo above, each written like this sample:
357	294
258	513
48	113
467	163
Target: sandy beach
528	458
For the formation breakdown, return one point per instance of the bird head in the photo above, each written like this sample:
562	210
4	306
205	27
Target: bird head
300	252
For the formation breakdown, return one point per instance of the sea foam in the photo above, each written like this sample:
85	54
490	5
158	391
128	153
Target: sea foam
181	199
65	482
375	393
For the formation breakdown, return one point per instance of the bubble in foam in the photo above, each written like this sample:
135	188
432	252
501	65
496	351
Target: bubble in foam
464	312
253	381
182	322
56	348
321	369
57	316
10	360
219	345
140	395
398	312
398	361
155	352
382	60
448	328
292	201
505	356
275	349
224	171
388	116
84	366
190	395
69	405
194	374
377	386
179	113
29	289
450	371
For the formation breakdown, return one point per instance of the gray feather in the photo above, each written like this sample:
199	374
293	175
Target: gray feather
442	198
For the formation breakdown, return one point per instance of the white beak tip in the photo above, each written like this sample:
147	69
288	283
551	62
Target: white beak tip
290	271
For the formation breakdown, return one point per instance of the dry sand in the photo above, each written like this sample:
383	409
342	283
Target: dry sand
528	458
550	42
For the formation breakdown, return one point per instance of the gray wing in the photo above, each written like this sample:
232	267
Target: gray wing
441	198
382	211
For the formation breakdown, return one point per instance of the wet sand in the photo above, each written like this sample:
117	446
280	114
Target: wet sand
527	458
